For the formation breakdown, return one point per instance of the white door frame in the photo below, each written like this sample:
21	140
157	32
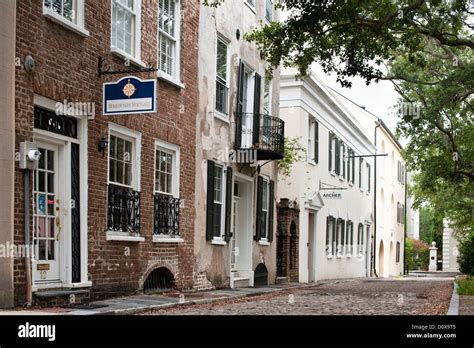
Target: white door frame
312	256
54	271
82	140
244	266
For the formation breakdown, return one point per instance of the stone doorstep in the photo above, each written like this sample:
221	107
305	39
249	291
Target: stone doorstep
59	293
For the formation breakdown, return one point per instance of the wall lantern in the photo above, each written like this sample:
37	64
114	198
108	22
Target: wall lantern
103	145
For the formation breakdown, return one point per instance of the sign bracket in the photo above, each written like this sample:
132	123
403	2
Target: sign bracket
104	69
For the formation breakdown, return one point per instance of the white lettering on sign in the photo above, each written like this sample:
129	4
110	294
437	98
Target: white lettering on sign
122	105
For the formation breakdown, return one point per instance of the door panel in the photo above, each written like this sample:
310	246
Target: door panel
46	216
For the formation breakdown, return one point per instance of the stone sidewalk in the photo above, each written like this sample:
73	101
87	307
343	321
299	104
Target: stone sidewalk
140	303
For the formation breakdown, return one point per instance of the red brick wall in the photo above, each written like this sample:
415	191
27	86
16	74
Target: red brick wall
286	216
67	69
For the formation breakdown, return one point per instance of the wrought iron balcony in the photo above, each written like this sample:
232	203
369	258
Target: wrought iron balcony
123	212
166	215
263	133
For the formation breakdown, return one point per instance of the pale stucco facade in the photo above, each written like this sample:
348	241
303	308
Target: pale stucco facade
216	134
316	187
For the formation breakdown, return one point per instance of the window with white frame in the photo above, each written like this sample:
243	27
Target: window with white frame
360	239
68	13
219	194
368	177
268	10
222	76
349	238
340	242
167	169
330	236
126	27
169	38
121	160
123	180
265	208
64	8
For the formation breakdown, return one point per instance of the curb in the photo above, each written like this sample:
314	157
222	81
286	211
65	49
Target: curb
138	310
454	304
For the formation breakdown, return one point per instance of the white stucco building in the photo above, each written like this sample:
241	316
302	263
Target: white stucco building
390	213
332	188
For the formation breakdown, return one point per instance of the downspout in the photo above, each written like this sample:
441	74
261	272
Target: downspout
26	200
378	123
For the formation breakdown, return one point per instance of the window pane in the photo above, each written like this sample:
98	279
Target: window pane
50	160
112	169
128	174
222	60
41	182
42	160
50	183
218	185
120	173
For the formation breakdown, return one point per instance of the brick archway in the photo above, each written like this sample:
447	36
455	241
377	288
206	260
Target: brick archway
154	266
288	240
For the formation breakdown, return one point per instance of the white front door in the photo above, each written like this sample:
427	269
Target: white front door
47	215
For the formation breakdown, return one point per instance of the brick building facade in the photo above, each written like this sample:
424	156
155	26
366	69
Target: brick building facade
94	216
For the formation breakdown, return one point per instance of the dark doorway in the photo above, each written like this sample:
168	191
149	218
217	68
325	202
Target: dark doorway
261	275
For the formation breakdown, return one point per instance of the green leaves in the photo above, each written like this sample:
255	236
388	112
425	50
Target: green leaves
293	152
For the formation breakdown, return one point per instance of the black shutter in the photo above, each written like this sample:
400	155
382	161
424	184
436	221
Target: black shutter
240	90
337	148
210	200
258	216
368	178
256	109
228	203
330	151
328	223
360	172
353	166
344	159
316	142
270	210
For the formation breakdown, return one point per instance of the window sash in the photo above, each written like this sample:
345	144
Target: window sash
168	173
72	4
115	162
269	10
127	41
168	40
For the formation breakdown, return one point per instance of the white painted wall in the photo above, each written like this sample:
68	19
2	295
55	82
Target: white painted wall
298	101
388	192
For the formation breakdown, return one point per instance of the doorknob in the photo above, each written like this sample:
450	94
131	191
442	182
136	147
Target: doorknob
58	220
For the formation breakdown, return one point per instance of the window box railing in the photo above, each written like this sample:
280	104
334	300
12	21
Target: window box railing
260	132
123	211
166	211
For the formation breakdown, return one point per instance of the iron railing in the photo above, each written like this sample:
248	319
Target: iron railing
166	215
260	132
123	213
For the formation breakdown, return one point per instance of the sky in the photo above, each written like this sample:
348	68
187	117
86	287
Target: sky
378	98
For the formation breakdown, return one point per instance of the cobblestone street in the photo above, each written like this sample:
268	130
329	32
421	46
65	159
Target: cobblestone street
353	297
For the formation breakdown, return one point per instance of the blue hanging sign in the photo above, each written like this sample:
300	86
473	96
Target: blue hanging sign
129	95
